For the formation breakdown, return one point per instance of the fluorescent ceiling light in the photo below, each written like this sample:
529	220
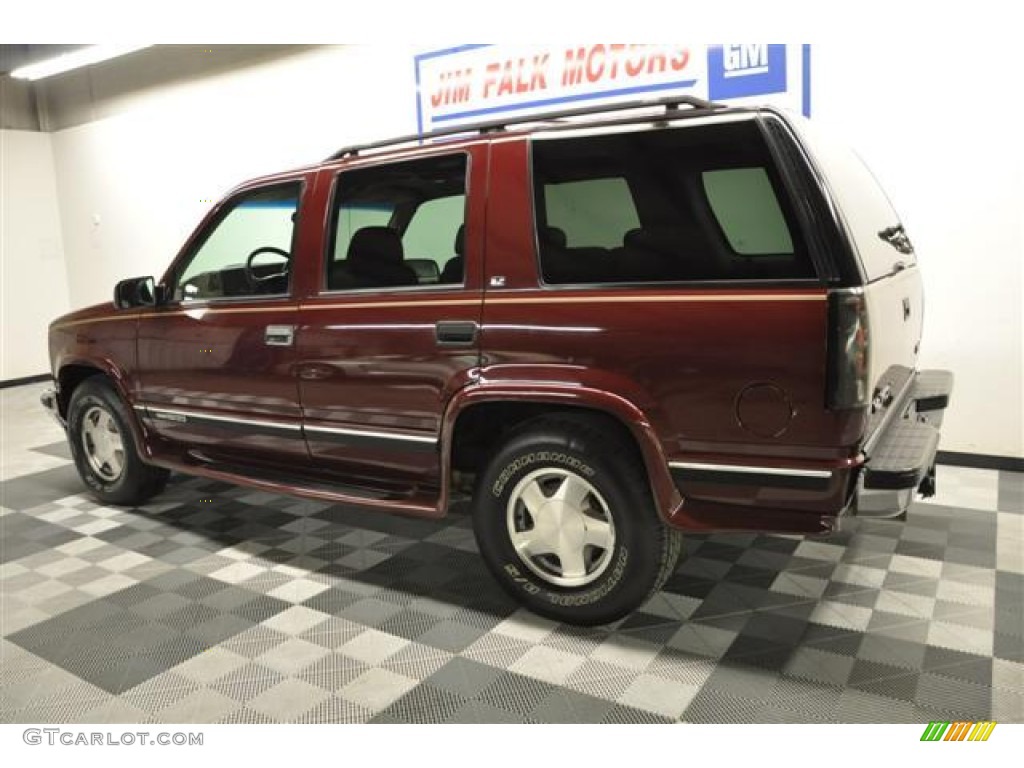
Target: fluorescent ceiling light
93	54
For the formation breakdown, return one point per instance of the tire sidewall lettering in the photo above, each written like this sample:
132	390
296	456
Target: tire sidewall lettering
604	587
566	599
539	457
521	580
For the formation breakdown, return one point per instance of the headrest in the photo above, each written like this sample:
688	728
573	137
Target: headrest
460	241
426	269
634	238
684	237
554	236
380	244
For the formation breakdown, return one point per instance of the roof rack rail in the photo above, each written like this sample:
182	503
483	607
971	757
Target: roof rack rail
670	103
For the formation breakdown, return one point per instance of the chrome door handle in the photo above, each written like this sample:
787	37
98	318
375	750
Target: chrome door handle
456	333
279	335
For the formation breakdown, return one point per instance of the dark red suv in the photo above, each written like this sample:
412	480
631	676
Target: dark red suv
660	318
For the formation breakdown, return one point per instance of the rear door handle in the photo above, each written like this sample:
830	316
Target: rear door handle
456	333
279	335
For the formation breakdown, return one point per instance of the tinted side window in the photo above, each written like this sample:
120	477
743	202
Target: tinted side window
398	225
354	216
432	232
247	250
679	204
594	213
748	211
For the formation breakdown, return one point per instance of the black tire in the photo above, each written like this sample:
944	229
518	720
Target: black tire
617	579
136	482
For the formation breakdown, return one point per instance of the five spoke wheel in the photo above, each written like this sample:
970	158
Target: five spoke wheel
102	443
561	527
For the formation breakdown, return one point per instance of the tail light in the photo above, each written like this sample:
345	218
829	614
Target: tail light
848	349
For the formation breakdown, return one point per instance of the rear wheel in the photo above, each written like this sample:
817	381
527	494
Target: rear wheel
566	523
103	447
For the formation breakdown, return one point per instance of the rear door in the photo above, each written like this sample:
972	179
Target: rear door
893	289
392	331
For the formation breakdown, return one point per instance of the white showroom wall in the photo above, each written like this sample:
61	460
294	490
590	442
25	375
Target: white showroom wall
946	146
32	269
132	186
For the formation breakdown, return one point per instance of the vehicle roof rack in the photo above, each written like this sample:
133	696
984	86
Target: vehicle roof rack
671	104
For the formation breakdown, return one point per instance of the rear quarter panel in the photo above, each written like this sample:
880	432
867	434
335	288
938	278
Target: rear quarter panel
683	354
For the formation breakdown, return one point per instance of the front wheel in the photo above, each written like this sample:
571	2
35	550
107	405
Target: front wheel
566	523
104	448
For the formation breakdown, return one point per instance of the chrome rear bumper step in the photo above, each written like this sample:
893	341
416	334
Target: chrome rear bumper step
903	457
932	390
904	454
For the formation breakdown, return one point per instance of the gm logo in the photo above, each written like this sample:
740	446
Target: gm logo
741	69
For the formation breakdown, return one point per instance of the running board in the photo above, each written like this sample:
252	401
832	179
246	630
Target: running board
414	501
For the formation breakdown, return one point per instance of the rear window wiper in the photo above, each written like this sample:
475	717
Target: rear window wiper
896	236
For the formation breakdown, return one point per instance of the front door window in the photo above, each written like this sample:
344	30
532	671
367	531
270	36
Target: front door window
247	252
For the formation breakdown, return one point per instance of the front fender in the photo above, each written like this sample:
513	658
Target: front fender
104	343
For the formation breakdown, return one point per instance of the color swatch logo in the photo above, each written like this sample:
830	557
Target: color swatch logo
959	731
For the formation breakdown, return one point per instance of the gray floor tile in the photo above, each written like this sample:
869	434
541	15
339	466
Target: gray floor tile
242	611
562	706
40	487
464	676
482	712
425	704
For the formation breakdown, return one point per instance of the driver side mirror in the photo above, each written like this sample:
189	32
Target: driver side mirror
138	292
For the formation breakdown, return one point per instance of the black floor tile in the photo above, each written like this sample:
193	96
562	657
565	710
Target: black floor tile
426	617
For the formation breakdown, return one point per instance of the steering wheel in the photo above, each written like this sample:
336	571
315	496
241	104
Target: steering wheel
260	280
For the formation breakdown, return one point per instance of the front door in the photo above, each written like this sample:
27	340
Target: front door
393	331
215	361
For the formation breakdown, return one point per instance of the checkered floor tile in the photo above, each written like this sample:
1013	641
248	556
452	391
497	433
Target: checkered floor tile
260	608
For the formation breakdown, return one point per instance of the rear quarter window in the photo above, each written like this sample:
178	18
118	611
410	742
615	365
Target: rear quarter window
748	211
686	203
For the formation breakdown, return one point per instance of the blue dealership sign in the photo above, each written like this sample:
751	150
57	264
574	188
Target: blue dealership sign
470	83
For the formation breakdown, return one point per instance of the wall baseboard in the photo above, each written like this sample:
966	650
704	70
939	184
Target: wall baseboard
24	380
980	461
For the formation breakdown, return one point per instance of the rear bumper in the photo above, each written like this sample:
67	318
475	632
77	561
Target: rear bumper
897	460
49	400
901	458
